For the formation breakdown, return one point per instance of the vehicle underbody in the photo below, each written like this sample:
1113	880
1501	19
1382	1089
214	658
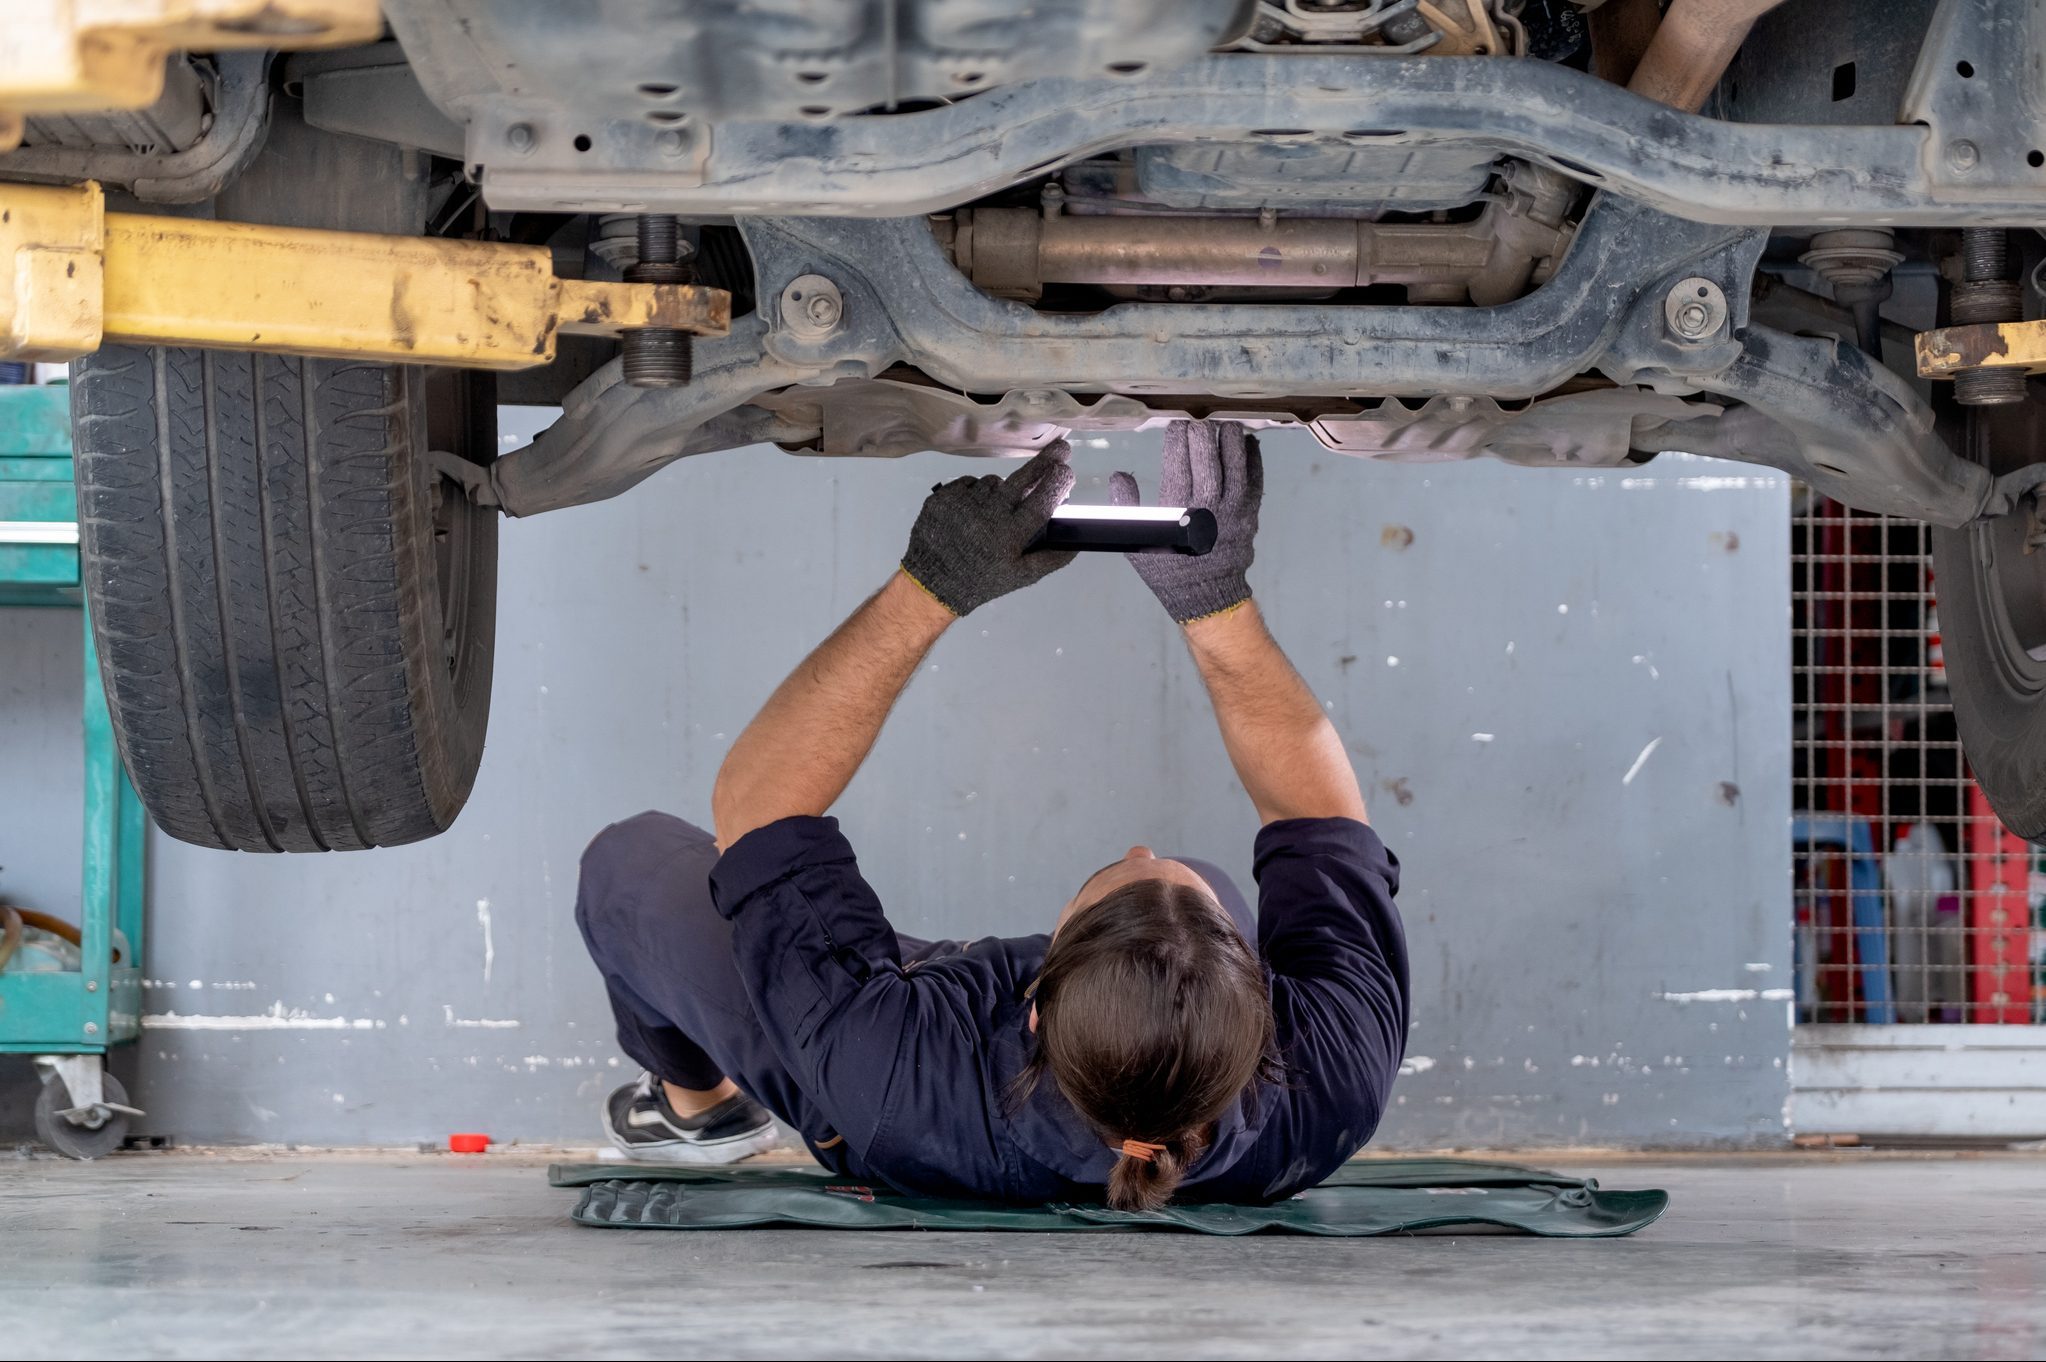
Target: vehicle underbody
1414	256
1556	232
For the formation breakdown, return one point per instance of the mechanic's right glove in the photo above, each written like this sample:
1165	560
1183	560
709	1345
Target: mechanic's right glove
1213	464
970	542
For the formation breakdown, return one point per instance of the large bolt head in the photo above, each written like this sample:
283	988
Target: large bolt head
1694	309
812	307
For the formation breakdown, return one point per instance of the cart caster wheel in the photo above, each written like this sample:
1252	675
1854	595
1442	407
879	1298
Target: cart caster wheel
73	1141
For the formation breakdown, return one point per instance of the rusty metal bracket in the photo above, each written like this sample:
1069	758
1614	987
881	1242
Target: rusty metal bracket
74	56
73	276
239	95
1950	350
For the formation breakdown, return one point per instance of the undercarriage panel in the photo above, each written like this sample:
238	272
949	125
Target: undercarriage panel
1422	230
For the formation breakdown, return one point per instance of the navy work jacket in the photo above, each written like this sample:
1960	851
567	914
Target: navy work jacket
908	1070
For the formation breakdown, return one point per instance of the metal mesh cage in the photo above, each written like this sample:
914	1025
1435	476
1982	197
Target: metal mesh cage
1913	904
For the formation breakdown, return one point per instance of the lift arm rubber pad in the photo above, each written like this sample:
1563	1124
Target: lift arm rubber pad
1364	1197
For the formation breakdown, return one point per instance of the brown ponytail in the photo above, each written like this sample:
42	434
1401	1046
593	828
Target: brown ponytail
1153	1016
1141	1184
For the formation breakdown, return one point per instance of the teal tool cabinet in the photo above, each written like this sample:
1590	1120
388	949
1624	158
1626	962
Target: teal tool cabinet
65	1018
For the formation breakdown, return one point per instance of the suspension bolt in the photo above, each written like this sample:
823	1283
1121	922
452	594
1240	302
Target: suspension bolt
812	307
657	356
1962	156
1694	309
1986	295
521	138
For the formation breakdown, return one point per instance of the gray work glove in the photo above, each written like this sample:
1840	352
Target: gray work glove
967	546
1213	464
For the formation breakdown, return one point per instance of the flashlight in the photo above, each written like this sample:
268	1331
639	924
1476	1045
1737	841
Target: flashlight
1129	529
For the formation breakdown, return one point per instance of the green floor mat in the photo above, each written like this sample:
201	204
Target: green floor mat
1373	1196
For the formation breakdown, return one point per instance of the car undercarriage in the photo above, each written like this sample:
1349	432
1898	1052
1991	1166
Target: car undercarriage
1554	232
1381	224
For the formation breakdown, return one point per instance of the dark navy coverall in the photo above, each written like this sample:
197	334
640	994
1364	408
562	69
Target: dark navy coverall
775	966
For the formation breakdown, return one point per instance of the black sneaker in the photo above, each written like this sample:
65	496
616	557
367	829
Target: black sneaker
645	1129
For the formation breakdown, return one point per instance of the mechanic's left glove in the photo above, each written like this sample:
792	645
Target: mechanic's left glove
1215	464
967	546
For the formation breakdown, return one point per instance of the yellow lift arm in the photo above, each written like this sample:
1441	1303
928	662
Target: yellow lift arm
73	276
1951	350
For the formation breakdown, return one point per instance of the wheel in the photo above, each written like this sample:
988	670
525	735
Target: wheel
1992	616
294	614
75	1141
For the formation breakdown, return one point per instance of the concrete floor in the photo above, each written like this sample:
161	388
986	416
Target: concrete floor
338	1255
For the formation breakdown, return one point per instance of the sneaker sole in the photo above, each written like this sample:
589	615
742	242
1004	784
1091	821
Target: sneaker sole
729	1150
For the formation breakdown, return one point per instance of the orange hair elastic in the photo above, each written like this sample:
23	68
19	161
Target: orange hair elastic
1142	1150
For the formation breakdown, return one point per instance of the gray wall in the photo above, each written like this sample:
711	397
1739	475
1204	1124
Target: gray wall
1500	646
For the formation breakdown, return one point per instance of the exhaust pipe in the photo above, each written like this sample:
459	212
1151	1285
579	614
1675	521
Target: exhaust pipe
1015	252
1692	48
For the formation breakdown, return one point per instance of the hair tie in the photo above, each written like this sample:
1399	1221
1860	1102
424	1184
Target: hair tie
1142	1150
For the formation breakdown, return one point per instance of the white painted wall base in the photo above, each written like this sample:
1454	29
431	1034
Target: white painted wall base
1930	1081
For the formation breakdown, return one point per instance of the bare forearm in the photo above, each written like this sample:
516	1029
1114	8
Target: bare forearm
1286	752
807	742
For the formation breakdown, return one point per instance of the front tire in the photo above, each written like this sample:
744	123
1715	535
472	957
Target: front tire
294	614
1992	612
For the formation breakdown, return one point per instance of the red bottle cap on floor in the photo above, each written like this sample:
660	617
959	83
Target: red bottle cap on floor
468	1144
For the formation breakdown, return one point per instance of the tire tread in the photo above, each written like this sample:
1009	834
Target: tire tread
264	609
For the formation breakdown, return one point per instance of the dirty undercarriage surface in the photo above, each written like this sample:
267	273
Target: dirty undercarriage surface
1421	231
1581	371
1558	232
